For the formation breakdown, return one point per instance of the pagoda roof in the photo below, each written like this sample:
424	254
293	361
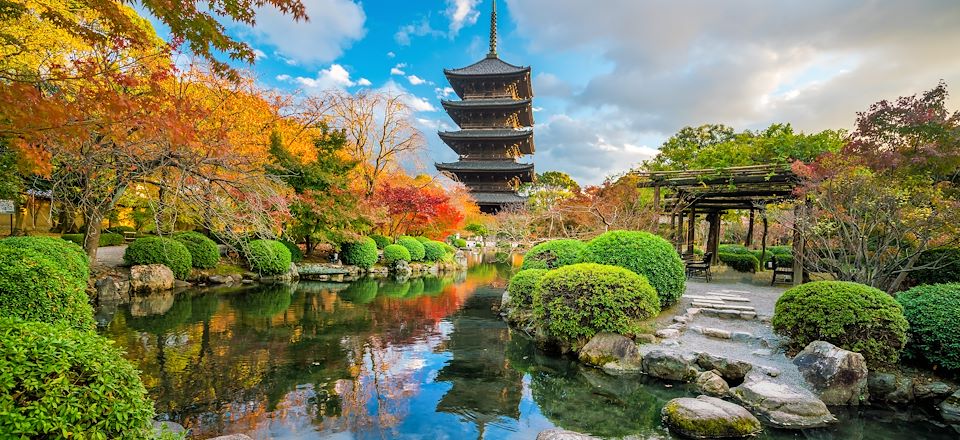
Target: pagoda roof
505	166
467	141
497	198
521	106
489	66
487	133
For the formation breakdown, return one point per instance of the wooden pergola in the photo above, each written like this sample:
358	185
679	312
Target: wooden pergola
712	192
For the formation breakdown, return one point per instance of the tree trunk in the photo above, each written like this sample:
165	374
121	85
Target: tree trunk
895	285
749	240
91	241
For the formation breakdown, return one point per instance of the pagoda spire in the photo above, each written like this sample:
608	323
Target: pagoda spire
493	31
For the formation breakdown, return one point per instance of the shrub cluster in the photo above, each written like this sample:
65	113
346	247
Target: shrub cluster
645	254
554	254
381	241
943	263
933	312
576	302
422	239
106	239
74	238
851	316
67	254
413	246
362	253
783	254
296	255
160	250
738	257
268	257
58	380
36	286
394	253
522	287
120	229
204	253
459	243
433	251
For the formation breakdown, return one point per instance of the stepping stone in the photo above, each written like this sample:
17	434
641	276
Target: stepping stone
748	315
721	294
668	333
737	299
734	291
716	333
741	336
741	308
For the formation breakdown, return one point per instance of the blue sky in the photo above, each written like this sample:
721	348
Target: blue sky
613	79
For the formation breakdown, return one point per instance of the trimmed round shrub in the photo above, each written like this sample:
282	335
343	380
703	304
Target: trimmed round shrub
111	239
449	249
394	253
460	243
204	253
645	254
422	239
160	250
433	251
268	257
34	287
553	254
851	316
934	315
522	286
575	302
414	246
943	263
296	255
381	241
740	262
74	238
362	253
58	380
67	254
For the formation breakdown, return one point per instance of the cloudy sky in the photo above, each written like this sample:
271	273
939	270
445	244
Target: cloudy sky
614	78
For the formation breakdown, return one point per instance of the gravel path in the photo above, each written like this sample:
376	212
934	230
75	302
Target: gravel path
111	256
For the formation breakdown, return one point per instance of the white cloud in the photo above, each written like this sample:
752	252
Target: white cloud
398	69
391	55
363	82
259	54
419	29
334	77
416	103
443	92
461	13
332	27
416	80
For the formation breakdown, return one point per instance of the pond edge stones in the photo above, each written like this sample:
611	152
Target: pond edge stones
837	376
780	405
708	417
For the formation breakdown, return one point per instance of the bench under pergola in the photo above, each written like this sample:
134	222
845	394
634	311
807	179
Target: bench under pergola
712	192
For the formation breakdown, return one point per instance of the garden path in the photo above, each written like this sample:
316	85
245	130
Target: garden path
111	256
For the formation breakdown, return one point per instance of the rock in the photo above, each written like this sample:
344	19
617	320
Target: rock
890	387
217	279
741	336
560	434
293	272
837	376
716	333
611	351
180	284
401	268
505	301
711	383
708	417
950	409
781	405
931	390
111	291
668	333
730	369
151	278
169	427
645	338
232	437
670	365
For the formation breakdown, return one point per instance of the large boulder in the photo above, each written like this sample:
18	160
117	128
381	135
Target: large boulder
112	291
671	365
837	376
151	278
560	434
782	406
950	409
611	351
708	417
732	370
711	383
890	387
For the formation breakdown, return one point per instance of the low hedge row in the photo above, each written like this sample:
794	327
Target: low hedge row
740	262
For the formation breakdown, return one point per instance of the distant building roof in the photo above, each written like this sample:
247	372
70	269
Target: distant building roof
497	198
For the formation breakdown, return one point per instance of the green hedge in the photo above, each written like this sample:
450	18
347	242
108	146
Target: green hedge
394	253
120	229
645	254
74	238
422	239
67	254
106	239
851	316
575	302
296	255
784	255
268	257
204	253
414	246
459	243
381	241
160	250
733	249
36	287
433	251
554	254
740	262
946	266
56	381
933	312
362	253
522	286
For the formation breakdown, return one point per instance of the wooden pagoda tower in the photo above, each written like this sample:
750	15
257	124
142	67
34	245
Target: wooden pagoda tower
495	116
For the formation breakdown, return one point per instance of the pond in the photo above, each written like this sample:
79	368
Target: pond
426	358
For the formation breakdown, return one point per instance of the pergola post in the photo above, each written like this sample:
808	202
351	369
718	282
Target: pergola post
749	241
656	200
798	213
763	238
691	229
713	237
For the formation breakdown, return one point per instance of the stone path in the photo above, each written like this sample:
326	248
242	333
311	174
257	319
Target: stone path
111	256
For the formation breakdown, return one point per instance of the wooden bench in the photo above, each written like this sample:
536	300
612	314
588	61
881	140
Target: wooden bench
700	268
129	236
784	271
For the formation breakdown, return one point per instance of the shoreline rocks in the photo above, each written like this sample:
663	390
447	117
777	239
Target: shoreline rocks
837	376
709	418
151	278
782	406
562	434
612	352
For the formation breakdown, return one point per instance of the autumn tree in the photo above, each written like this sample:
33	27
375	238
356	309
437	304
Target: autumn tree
545	195
417	207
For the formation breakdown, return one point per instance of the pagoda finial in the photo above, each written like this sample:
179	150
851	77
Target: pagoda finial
493	31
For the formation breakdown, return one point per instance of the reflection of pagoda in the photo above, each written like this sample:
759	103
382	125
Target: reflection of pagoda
495	115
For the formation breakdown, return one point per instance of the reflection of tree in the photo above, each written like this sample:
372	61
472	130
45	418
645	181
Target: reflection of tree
361	291
394	288
267	302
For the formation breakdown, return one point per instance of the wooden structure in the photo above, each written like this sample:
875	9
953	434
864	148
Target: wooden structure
686	195
495	115
700	268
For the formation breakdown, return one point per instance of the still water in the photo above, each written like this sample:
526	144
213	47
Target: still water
375	359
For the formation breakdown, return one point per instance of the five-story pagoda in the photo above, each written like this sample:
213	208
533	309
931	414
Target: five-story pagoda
495	116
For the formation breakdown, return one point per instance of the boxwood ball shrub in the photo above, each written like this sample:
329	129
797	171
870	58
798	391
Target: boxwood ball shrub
35	287
362	253
740	262
933	312
460	243
268	257
160	250
68	254
296	255
645	254
522	286
74	238
422	239
57	380
395	253
433	251
381	241
204	253
553	254
851	316
575	302
414	246
111	239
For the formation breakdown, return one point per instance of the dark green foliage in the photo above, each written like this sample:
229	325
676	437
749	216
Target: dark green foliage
851	316
381	241
55	380
522	286
74	238
268	257
575	302
394	253
265	302
459	243
111	239
362	253
361	291
414	246
732	249
740	262
783	254
35	287
433	251
422	239
204	253
296	255
449	249
160	250
67	254
553	254
934	315
120	229
943	266
645	254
